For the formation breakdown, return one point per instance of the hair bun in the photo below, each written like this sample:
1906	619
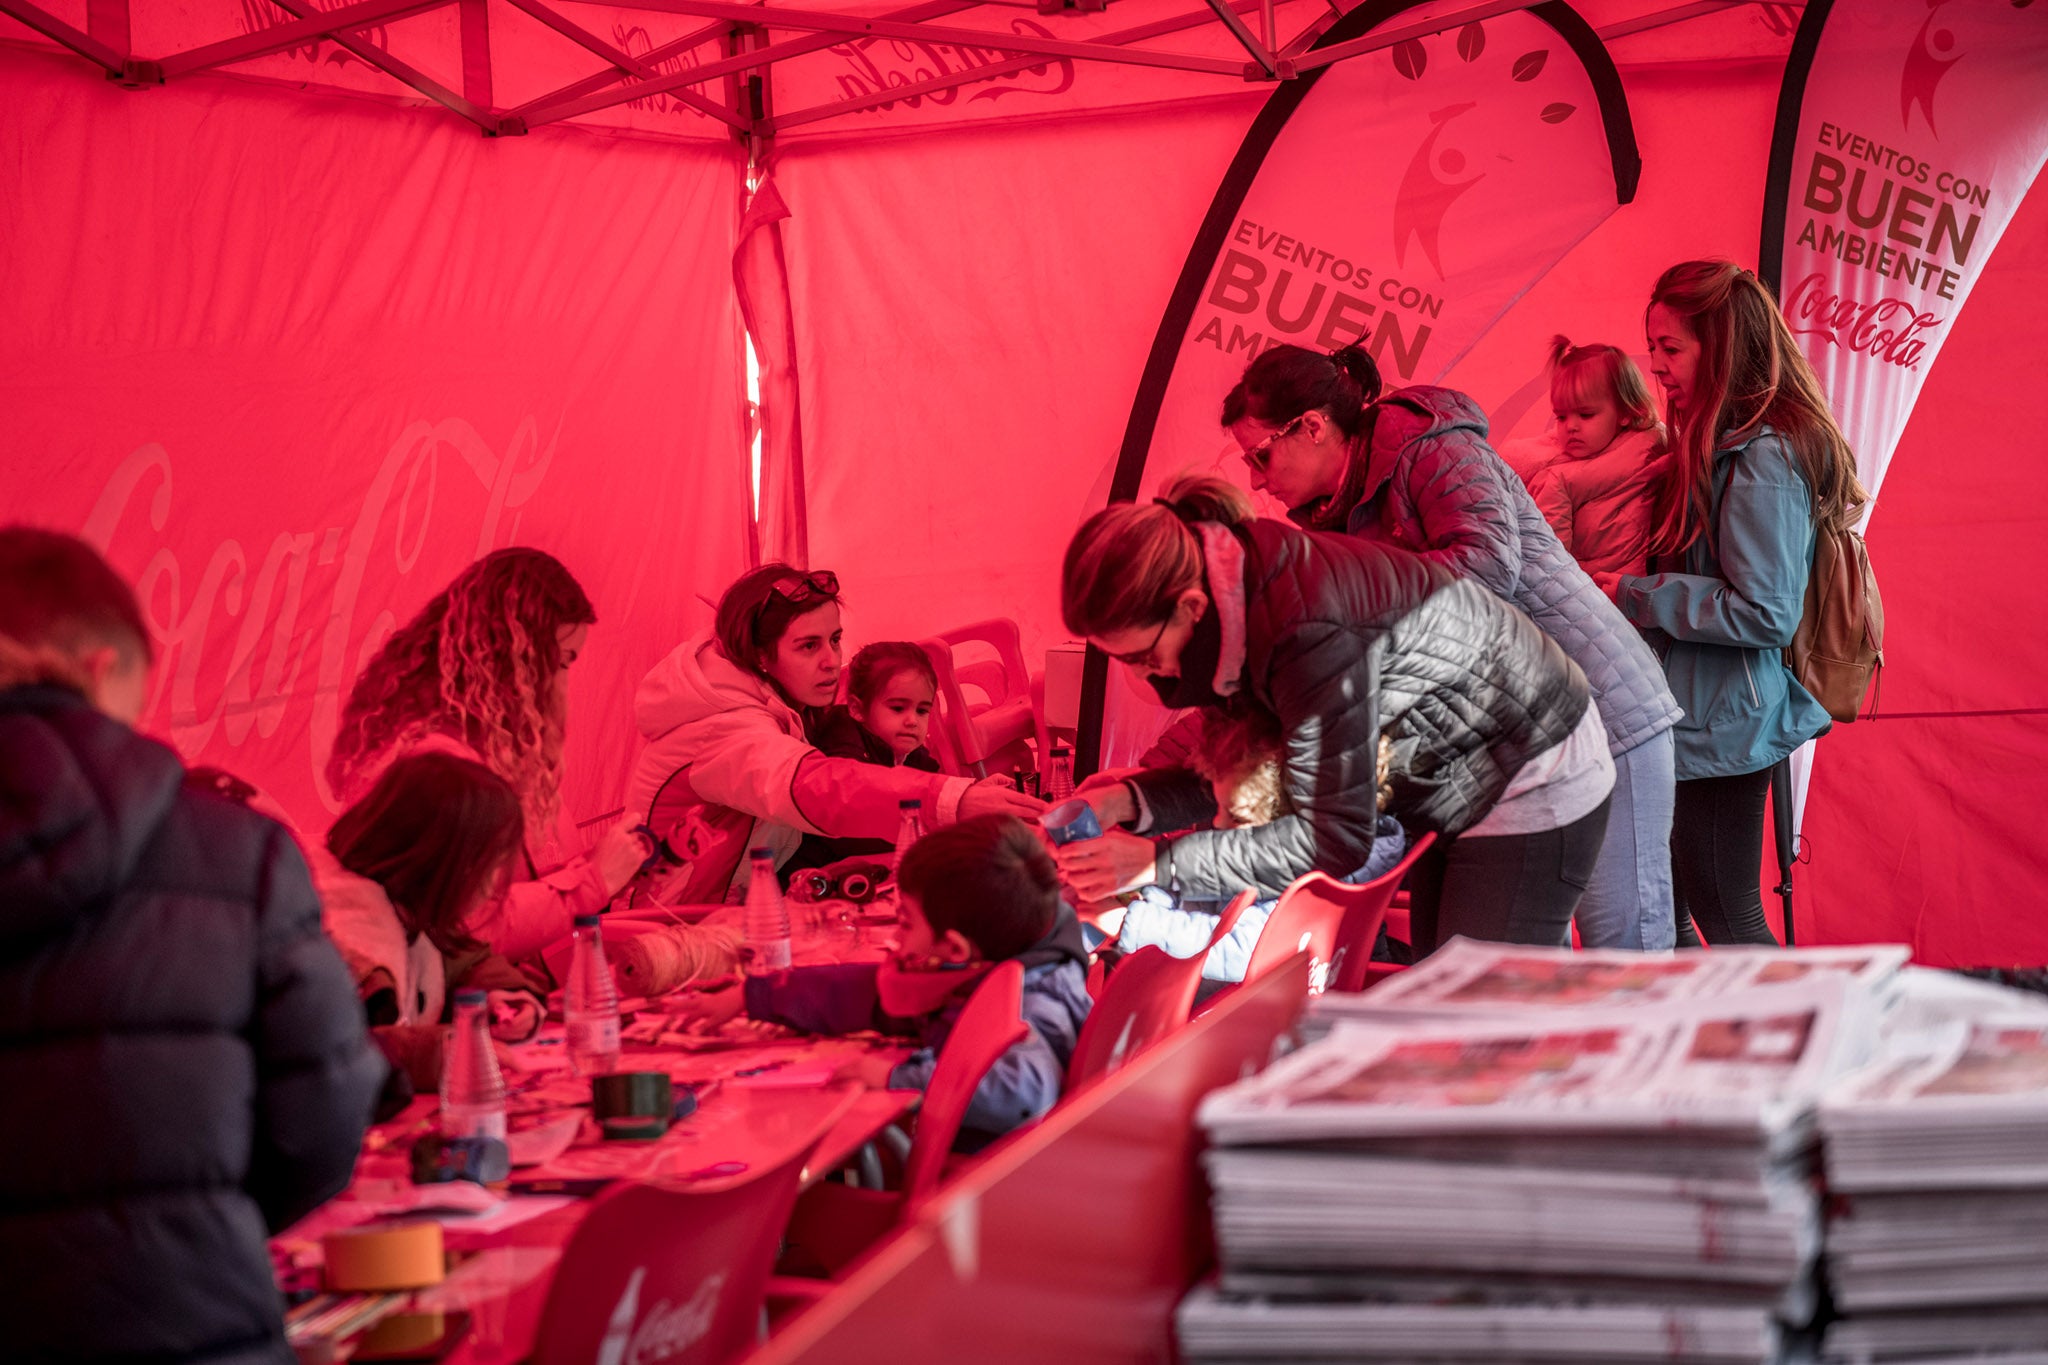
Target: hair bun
1356	363
1560	347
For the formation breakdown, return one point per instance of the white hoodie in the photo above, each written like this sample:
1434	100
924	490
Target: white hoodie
727	768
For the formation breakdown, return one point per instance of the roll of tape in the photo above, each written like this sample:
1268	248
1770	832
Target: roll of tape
632	1095
381	1257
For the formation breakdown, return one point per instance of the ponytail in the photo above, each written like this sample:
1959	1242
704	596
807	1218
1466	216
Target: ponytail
1286	381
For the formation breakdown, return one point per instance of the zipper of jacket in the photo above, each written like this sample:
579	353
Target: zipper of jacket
1750	678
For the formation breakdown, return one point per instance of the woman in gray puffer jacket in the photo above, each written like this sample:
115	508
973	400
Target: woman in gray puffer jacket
1494	743
1413	469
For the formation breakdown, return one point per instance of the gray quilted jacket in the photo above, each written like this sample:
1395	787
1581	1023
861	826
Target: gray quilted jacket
1431	484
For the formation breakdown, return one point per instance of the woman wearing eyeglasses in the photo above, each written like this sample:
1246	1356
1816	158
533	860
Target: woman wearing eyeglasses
727	765
1412	469
1495	744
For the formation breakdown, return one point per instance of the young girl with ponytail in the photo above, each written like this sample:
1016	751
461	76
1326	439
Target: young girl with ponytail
1758	466
1596	493
1495	744
1412	469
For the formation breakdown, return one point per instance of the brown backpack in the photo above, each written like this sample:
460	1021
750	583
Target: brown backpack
1839	646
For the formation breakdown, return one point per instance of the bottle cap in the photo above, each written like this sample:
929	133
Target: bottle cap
470	997
589	921
910	803
757	854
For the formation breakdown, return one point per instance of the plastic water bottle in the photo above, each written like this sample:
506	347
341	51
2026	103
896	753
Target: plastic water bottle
909	829
472	1091
1059	783
767	918
590	1007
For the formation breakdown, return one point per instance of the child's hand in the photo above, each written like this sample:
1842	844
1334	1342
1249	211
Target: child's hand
869	1069
618	856
515	1016
1099	868
1609	583
995	796
708	1011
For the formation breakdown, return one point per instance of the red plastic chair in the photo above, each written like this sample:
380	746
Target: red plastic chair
972	733
1335	921
1368	911
671	1271
834	1224
1150	994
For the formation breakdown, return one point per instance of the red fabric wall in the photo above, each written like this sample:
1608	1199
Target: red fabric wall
296	358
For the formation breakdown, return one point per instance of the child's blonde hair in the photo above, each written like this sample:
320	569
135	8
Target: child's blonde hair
1580	373
1240	754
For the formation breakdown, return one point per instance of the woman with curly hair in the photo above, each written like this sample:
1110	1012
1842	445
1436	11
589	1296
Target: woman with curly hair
480	673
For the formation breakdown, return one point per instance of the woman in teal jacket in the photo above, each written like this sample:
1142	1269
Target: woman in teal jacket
1759	468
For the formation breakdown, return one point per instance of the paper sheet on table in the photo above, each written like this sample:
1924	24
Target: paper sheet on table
544	1142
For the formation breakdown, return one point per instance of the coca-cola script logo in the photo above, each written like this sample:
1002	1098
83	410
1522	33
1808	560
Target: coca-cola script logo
667	1331
1886	328
881	64
325	573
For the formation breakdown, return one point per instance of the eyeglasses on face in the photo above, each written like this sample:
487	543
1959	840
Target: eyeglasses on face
1139	658
1257	455
804	587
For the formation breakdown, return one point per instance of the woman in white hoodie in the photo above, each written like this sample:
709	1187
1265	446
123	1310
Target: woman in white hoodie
728	765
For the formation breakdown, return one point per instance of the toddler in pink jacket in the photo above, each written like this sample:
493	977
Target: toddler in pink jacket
1596	492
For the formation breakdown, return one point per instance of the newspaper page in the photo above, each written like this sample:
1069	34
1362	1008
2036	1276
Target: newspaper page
1467	977
1745	1064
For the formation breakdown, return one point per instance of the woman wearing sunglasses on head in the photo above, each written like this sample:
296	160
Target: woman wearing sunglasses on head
1494	742
727	766
1412	469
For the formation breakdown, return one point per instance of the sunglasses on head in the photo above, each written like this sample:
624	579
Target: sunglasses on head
804	587
1257	455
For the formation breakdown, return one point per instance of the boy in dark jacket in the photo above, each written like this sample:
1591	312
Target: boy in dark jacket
181	1053
973	894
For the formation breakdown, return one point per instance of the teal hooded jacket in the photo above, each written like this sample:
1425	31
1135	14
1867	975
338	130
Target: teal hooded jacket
1722	624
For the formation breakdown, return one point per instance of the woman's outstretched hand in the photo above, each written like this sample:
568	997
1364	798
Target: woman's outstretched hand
1100	868
995	796
618	856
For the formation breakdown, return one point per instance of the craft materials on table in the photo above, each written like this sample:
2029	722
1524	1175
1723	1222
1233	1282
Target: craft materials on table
662	959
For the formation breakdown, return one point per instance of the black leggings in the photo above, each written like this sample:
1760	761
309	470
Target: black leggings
1506	888
1717	853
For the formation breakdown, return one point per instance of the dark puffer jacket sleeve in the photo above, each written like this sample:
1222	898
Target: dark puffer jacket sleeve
317	1074
1322	679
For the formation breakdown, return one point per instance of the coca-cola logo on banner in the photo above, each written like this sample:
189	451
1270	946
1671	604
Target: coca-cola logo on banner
1883	200
876	65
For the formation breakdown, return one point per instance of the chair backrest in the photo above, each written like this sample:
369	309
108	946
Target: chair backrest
990	1025
1010	711
1149	995
671	1272
1335	921
1226	922
1364	917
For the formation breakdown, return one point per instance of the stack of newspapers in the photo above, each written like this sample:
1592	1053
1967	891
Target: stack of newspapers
1534	1155
1937	1164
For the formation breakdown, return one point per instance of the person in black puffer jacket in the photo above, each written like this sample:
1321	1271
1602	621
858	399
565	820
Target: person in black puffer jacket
182	1056
1496	746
